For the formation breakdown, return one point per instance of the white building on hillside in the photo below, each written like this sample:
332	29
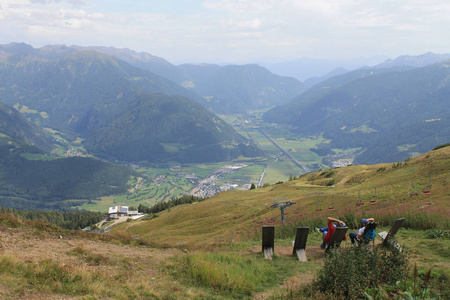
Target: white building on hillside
121	211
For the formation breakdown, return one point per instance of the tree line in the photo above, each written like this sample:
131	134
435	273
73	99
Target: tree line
168	204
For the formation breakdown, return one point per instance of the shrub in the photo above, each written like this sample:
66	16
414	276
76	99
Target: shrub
8	219
351	220
348	272
438	233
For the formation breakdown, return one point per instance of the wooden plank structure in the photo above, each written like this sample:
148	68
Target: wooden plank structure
388	237
337	238
268	241
300	243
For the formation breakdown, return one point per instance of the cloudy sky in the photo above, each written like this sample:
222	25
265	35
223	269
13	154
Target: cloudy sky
234	31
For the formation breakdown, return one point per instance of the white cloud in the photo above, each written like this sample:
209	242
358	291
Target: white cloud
234	30
252	24
73	2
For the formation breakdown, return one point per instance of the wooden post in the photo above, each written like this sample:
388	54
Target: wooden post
300	243
268	241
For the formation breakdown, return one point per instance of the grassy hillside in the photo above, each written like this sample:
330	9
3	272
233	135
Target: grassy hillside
193	254
235	214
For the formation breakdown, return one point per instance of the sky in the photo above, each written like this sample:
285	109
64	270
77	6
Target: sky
234	31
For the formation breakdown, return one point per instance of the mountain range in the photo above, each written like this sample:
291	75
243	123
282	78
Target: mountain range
104	100
390	114
221	89
227	89
134	107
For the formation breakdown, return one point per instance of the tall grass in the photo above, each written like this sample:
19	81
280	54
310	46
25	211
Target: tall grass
48	276
233	275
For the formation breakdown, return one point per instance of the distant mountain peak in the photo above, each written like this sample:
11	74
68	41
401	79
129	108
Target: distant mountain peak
417	61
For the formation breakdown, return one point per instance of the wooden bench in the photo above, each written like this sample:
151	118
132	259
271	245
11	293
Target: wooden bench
388	237
268	241
337	238
300	243
368	227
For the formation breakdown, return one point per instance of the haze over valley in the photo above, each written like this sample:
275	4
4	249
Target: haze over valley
174	127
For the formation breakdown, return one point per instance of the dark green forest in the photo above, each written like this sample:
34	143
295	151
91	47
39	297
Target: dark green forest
168	204
29	179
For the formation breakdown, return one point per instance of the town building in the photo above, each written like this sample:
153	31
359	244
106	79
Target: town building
115	212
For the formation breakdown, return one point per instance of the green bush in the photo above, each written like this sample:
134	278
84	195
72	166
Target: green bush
351	220
438	233
349	272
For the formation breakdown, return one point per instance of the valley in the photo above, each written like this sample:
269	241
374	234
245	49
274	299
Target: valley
169	131
287	155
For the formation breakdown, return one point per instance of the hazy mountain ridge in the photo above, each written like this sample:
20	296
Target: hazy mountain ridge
367	111
416	61
228	89
76	83
234	89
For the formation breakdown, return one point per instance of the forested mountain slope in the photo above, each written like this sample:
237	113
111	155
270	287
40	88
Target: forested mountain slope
234	89
94	96
30	179
158	128
393	113
15	126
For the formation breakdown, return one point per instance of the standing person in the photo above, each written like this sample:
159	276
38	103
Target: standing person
327	232
358	236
